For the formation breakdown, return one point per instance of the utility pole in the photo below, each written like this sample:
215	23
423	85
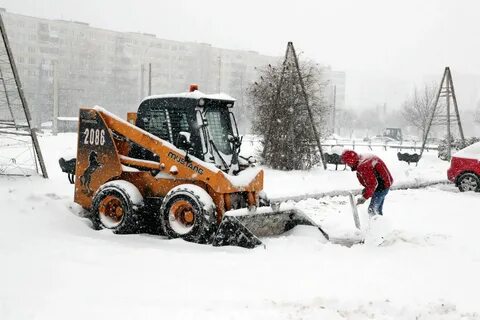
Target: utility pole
334	107
150	79
142	81
219	74
55	99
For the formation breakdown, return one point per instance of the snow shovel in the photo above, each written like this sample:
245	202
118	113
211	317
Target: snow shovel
356	219
376	228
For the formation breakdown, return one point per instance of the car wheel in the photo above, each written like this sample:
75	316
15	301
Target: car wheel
469	182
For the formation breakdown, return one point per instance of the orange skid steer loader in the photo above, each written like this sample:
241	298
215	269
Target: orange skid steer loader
174	165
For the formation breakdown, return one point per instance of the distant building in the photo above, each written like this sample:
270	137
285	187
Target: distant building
101	67
334	82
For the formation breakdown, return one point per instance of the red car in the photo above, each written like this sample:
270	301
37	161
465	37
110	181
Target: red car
464	168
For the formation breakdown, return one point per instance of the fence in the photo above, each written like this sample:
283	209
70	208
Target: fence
400	146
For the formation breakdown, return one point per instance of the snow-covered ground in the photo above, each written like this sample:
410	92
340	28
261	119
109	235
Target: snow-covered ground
54	266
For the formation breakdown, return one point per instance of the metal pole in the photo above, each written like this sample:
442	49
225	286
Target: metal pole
334	107
8	99
219	74
305	96
22	98
433	113
449	146
55	100
149	79
142	81
275	102
454	96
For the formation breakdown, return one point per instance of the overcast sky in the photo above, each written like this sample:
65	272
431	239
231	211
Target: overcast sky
384	46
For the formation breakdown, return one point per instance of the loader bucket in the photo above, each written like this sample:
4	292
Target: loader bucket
243	228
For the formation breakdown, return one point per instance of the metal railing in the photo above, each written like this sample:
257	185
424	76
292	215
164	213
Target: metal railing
400	146
410	145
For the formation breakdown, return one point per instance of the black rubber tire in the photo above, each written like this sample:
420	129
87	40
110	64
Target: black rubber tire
130	222
205	223
472	177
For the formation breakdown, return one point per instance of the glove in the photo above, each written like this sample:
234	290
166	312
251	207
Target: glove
361	200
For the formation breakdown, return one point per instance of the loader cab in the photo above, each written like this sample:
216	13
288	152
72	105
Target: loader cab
205	121
394	133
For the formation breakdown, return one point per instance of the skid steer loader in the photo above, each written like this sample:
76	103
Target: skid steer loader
175	164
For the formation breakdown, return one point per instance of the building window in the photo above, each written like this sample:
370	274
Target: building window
43	27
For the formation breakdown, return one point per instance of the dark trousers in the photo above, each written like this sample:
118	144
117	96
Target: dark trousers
376	204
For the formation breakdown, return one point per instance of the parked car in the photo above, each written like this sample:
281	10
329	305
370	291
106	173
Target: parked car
464	168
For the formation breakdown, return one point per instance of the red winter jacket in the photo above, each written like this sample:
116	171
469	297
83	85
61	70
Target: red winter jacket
373	174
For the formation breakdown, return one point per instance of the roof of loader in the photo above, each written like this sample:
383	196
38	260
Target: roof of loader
192	95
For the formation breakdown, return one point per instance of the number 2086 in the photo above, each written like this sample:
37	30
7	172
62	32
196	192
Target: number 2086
95	137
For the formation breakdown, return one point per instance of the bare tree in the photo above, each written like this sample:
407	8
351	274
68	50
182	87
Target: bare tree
417	109
281	117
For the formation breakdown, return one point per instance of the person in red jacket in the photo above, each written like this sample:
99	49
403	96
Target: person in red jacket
373	174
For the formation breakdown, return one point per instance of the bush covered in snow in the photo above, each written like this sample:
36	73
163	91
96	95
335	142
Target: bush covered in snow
281	114
455	144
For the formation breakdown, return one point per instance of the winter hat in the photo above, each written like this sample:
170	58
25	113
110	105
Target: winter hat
350	158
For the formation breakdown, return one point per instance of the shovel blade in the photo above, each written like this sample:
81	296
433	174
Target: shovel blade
232	232
244	228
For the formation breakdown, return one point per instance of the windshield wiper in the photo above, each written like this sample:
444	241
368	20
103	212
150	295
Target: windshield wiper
237	143
225	165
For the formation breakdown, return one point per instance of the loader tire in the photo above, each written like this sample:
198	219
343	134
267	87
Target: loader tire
116	207
188	212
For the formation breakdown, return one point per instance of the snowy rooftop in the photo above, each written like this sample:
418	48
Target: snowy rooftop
193	95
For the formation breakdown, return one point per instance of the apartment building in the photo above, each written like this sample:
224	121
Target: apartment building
94	66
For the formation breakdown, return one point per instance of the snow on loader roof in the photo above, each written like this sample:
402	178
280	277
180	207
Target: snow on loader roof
192	95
